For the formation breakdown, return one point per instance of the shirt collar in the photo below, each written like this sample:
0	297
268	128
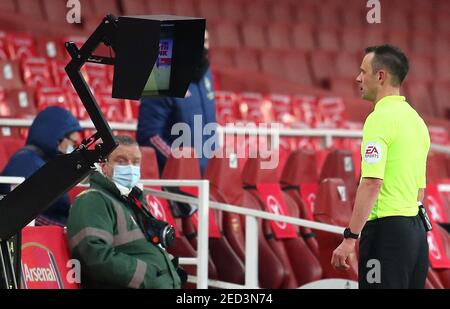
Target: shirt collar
390	98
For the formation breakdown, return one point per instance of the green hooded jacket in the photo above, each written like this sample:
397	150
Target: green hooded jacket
112	250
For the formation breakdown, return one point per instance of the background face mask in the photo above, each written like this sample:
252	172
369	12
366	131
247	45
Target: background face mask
69	149
126	175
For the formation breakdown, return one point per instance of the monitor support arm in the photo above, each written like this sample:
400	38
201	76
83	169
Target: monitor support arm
58	175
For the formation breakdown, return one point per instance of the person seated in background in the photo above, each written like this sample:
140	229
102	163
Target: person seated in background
106	228
54	131
159	116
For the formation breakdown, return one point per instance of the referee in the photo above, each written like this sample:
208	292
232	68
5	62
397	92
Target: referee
393	250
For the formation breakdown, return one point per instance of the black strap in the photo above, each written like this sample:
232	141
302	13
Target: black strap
307	235
291	187
270	236
249	187
191	235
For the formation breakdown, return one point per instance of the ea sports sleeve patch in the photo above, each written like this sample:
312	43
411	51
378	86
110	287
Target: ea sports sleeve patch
373	152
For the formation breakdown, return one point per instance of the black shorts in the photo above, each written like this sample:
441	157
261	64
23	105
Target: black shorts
393	253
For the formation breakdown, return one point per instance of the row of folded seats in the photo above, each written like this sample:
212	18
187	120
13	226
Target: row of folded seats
289	256
337	71
427	16
296	256
31	80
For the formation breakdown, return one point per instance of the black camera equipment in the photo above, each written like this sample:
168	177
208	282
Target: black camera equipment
153	56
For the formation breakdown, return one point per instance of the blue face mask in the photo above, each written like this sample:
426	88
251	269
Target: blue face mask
127	175
69	149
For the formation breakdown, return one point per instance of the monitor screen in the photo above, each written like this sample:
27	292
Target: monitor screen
160	76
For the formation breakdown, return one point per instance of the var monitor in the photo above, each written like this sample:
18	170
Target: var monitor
156	55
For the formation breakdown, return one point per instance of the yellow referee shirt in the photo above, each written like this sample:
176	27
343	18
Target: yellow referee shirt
394	148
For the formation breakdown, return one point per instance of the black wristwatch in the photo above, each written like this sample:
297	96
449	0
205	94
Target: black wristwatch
348	234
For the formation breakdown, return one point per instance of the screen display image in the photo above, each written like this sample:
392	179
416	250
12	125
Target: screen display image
160	76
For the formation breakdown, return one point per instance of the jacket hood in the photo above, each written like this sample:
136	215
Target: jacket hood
49	128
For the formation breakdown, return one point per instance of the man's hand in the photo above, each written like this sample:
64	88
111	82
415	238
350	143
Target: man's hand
343	254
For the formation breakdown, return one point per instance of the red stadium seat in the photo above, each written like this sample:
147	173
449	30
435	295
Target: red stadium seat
188	168
247	59
347	65
441	95
423	21
419	96
333	207
55	10
224	34
254	108
51	48
54	96
134	7
436	168
11	145
299	180
102	8
305	12
227	108
282	108
185	8
328	16
272	63
233	11
443	22
59	74
20	103
322	66
31	9
10	74
112	108
303	38
352	40
20	45
296	68
159	7
257	11
253	35
281	12
373	36
422	43
339	164
286	249
344	86
36	72
327	40
96	76
441	65
45	248
279	36
396	19
221	57
149	165
8	6
352	17
420	68
332	112
3	46
210	9
400	39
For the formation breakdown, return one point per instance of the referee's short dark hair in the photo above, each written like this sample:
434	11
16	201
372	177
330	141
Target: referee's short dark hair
390	58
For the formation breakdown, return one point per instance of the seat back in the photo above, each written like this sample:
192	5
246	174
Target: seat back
333	207
187	167
287	248
339	164
45	251
149	165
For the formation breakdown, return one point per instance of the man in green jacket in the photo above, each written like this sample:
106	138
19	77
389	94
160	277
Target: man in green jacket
104	234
